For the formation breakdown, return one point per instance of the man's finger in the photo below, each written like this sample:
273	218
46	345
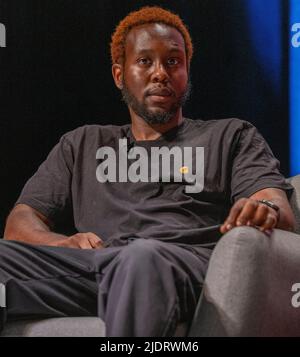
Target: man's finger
260	215
95	242
84	243
247	213
235	210
270	222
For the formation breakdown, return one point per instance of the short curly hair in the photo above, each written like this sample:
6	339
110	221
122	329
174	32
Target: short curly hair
147	15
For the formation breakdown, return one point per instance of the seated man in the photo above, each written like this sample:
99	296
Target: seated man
149	200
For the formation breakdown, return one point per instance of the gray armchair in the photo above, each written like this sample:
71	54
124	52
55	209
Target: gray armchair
247	290
248	286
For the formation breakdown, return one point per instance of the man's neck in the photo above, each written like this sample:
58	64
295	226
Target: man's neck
141	130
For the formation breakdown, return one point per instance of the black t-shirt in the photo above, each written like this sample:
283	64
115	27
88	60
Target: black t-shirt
217	161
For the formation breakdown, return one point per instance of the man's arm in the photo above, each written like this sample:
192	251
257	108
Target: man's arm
27	225
249	211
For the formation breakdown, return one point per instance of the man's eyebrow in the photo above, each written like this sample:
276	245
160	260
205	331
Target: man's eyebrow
171	50
177	49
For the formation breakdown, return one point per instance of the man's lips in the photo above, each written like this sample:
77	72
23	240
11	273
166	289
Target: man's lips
160	95
159	98
160	92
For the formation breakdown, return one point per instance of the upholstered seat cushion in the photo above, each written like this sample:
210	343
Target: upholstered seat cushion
56	327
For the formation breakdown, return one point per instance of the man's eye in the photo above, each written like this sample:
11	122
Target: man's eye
173	61
144	61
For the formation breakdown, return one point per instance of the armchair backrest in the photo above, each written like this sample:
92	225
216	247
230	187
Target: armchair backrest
295	199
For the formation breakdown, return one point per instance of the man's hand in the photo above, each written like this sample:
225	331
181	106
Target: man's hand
250	212
82	241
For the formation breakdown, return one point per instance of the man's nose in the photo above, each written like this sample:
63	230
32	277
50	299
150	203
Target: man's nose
159	73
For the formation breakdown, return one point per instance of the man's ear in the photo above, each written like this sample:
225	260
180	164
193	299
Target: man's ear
117	73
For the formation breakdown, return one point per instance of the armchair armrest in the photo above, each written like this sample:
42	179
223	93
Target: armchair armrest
295	200
248	287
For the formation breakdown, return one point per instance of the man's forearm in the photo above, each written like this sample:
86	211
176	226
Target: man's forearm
25	225
36	237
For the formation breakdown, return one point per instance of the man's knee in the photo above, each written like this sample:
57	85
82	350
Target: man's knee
141	248
140	251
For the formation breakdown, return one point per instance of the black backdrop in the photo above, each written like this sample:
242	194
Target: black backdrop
55	75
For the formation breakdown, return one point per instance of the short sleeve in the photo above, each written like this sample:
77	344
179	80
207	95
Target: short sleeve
254	165
49	189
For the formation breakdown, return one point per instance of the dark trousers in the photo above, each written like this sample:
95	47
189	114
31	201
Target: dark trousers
144	288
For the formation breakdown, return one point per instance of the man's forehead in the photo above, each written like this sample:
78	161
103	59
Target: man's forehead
140	37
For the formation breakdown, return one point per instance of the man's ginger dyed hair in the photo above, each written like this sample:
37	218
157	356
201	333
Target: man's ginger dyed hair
147	15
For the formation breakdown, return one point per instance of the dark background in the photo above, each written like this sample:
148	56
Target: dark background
55	75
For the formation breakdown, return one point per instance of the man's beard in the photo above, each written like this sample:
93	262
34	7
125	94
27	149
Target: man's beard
150	117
